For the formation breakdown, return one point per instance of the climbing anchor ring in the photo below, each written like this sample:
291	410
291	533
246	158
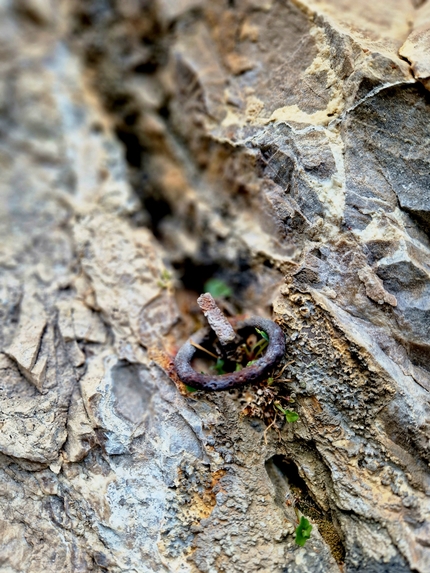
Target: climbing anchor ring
253	373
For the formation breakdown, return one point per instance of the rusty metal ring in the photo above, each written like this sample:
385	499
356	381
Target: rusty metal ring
257	371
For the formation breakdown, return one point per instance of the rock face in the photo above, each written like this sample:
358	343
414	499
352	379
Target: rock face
278	145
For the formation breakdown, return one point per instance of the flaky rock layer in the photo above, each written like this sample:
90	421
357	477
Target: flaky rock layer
282	147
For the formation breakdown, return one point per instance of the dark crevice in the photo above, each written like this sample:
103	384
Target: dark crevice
158	209
207	263
420	218
291	489
133	149
144	138
194	274
146	68
405	59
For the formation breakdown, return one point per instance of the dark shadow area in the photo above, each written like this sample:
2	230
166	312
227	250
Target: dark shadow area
194	274
291	490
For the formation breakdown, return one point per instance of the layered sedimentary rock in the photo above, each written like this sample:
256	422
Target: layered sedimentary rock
281	146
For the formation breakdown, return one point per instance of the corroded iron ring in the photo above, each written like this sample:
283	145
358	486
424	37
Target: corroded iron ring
257	371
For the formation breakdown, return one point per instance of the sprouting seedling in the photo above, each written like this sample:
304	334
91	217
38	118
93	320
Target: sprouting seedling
219	366
261	345
254	351
191	389
165	279
217	288
262	334
303	531
290	415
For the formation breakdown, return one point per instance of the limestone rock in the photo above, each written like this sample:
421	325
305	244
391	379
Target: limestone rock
280	146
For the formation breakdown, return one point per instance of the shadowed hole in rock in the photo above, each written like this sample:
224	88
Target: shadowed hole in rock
158	210
194	275
421	219
291	489
133	149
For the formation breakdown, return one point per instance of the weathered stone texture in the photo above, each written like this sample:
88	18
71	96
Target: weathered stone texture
145	146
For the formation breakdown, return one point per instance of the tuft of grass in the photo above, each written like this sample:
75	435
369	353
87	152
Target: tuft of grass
262	334
252	351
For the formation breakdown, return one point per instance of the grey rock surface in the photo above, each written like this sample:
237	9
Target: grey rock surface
146	146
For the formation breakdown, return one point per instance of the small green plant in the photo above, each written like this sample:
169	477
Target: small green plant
253	351
290	415
217	288
165	280
262	334
303	531
219	366
191	389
